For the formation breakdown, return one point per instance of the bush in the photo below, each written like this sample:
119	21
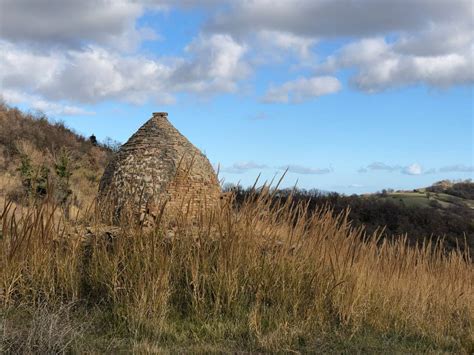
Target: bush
34	179
49	330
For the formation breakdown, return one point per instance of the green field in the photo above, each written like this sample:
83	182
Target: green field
422	198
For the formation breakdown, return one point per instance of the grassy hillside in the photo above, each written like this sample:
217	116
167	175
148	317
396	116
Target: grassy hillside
446	209
444	195
262	278
261	271
33	150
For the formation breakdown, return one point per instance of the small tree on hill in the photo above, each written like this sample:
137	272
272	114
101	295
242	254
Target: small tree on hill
33	178
93	140
64	167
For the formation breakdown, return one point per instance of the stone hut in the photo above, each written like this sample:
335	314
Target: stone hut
159	164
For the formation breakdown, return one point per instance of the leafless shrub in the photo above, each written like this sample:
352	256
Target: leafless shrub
49	330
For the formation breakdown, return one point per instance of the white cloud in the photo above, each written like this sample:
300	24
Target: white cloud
242	167
413	169
340	18
47	107
84	52
275	41
382	166
88	51
215	65
302	89
431	41
72	24
21	67
380	66
436	40
458	168
95	74
248	165
416	169
305	170
86	76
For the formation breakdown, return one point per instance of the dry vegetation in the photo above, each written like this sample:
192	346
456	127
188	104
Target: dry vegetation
265	277
27	138
268	275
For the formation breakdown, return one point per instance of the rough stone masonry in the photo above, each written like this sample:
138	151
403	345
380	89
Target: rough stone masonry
159	164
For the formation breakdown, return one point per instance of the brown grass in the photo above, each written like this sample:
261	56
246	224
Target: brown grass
264	277
45	331
41	140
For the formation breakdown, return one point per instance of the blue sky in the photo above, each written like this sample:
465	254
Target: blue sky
350	96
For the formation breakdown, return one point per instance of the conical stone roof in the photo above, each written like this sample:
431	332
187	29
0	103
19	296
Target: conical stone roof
158	163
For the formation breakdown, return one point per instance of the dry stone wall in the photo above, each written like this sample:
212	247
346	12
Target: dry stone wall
156	164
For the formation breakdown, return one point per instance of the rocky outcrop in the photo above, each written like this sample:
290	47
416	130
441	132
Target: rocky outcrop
159	164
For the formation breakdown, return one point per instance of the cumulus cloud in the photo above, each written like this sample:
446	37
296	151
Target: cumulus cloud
383	166
412	169
48	107
431	42
72	23
380	65
84	52
216	64
249	165
338	18
94	74
436	40
458	168
302	89
245	166
305	170
85	76
242	167
416	169
89	51
276	41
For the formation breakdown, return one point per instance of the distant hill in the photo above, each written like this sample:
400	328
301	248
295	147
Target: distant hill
444	210
442	195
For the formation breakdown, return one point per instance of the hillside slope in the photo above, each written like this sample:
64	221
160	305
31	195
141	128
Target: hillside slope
443	195
36	154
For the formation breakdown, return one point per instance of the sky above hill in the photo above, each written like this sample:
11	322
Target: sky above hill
350	96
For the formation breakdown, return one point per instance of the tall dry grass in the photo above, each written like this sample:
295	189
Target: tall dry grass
267	276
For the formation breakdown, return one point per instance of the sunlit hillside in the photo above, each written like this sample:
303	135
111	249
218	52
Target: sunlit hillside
35	153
